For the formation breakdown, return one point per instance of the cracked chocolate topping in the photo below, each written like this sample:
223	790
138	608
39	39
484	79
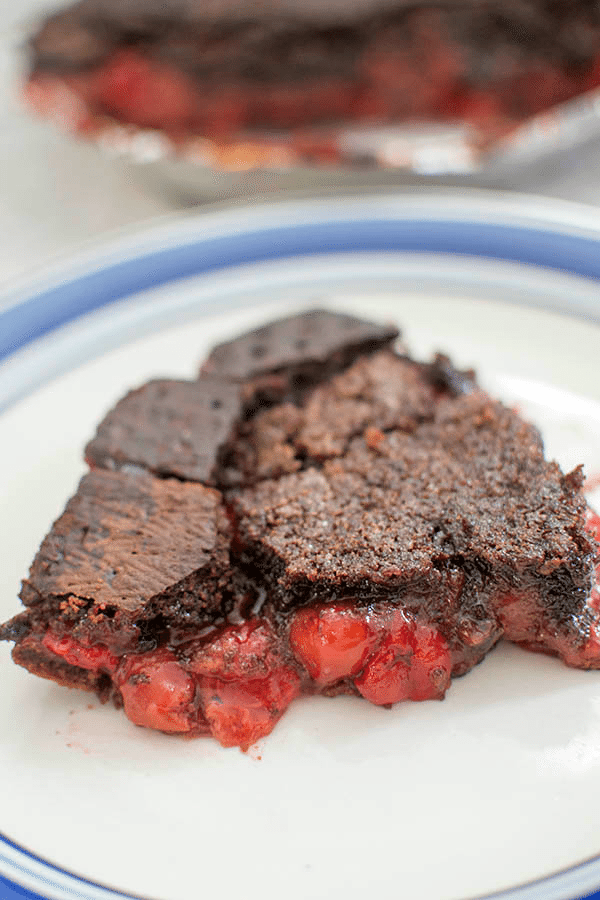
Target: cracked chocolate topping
465	486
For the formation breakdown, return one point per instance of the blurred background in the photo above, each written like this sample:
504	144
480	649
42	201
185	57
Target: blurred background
57	191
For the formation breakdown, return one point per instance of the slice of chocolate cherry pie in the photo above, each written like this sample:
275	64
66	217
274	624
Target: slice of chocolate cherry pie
316	513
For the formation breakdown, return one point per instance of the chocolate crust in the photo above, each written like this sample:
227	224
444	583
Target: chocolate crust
34	657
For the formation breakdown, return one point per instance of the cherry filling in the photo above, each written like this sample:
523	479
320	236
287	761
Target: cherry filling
157	692
237	684
244	684
413	662
331	642
95	657
592	525
241	651
241	712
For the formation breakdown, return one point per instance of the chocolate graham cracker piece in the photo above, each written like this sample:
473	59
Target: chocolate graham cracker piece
171	428
126	538
127	548
297	352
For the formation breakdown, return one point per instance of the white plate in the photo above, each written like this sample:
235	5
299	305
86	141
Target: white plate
489	791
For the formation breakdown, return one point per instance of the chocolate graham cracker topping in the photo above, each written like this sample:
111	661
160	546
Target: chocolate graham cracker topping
171	428
125	539
316	343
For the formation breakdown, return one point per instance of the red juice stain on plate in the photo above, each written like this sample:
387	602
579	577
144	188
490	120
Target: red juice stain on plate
592	482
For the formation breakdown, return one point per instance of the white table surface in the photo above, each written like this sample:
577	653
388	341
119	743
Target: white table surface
56	192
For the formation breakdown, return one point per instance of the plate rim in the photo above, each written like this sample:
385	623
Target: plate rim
560	236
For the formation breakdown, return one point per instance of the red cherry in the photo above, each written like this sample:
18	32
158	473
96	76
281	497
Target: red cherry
412	663
431	665
144	91
239	651
331	642
386	677
157	692
240	713
95	657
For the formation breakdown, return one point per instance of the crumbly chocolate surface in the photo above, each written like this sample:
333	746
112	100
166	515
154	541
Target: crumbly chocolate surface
468	487
171	428
378	392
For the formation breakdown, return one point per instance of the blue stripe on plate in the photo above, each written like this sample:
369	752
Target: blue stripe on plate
10	891
56	306
50	309
77	881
